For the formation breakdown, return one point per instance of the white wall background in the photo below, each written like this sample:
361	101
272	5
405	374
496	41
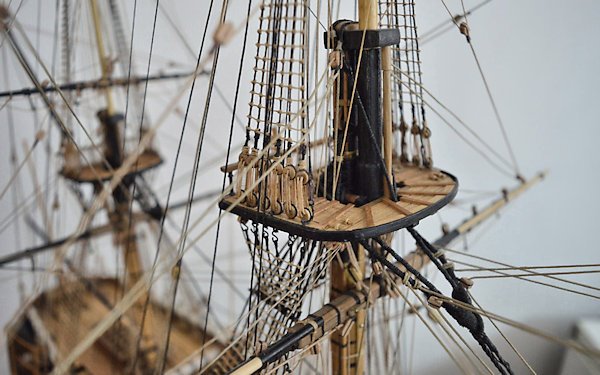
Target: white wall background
540	58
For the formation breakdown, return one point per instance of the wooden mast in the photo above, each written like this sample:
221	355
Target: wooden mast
347	351
124	226
368	15
348	345
104	60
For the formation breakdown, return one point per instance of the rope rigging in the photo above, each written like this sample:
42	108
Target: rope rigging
470	320
447	25
275	177
464	29
277	113
414	134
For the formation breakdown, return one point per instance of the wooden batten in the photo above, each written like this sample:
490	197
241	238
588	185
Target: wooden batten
388	136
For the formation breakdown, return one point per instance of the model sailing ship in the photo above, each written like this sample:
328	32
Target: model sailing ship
330	171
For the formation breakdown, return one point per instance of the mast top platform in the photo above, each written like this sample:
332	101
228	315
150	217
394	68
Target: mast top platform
88	170
421	192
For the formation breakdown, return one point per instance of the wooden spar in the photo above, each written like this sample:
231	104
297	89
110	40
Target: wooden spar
388	143
490	210
102	83
347	348
125	228
104	61
250	367
368	15
90	233
98	230
113	140
344	308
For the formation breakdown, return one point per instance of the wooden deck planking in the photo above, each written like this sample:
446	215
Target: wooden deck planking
59	311
422	188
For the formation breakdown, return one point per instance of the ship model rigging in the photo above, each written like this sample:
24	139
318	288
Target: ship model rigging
333	166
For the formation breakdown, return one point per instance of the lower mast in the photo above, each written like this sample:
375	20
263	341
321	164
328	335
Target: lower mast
347	345
125	227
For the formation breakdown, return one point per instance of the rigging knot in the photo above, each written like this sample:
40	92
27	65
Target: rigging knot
403	127
458	17
426	132
414	130
466	282
335	60
435	302
223	34
445	228
40	135
175	271
505	194
377	268
464	30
